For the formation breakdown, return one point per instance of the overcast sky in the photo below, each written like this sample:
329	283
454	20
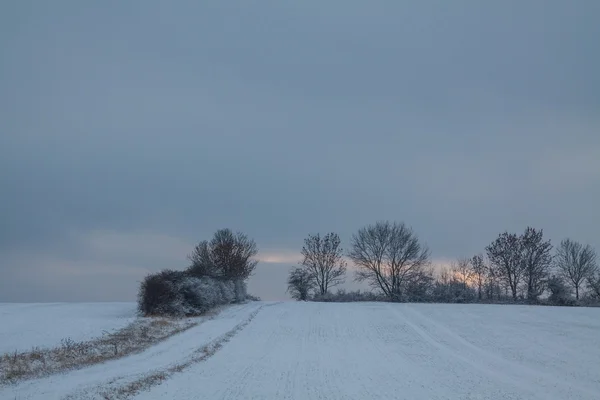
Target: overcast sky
131	130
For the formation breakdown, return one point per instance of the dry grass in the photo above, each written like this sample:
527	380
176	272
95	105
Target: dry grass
134	338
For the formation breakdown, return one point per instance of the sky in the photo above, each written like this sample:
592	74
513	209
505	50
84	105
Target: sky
129	131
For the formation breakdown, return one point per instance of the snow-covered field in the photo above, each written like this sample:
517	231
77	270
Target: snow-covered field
25	325
362	351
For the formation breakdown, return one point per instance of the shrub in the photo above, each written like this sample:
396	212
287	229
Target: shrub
241	291
251	297
453	292
159	295
200	295
227	291
341	296
300	284
176	293
559	293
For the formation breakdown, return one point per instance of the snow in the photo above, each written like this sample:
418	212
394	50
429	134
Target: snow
24	325
87	382
402	351
364	351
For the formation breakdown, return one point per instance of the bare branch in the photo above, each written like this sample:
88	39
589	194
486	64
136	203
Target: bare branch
479	272
389	257
300	283
505	253
323	259
537	260
576	263
227	256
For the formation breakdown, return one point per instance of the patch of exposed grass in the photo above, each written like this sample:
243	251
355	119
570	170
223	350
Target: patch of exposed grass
139	335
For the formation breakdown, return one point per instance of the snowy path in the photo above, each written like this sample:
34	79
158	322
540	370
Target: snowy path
364	351
89	382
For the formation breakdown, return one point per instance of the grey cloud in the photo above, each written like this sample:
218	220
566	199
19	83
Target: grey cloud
463	119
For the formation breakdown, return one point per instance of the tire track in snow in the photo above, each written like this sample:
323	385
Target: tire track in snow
127	390
327	351
162	356
519	371
455	353
282	324
308	352
495	366
236	391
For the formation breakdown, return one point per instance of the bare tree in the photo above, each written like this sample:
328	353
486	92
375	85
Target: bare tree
444	276
506	254
493	281
537	259
389	257
300	283
226	256
479	271
324	259
442	284
462	271
594	284
576	263
201	262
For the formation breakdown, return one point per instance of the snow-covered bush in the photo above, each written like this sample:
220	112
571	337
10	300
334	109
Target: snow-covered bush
158	294
241	292
251	297
176	293
200	294
217	275
227	291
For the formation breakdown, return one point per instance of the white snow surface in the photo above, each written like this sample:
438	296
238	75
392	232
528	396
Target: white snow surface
364	351
24	325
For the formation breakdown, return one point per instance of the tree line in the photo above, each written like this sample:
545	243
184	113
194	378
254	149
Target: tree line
392	260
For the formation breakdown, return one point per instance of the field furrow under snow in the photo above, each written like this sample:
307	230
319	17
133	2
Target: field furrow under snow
363	351
402	351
